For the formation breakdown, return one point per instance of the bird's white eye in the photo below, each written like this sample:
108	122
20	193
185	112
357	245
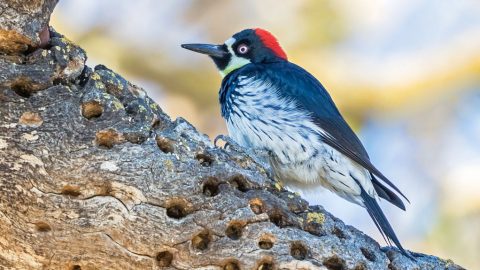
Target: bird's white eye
242	49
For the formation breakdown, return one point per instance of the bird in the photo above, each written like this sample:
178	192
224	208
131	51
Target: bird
271	104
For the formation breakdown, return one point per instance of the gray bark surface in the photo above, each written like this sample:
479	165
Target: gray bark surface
94	175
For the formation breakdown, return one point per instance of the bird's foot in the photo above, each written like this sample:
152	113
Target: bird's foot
229	143
259	156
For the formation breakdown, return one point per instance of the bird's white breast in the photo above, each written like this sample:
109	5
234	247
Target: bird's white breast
267	121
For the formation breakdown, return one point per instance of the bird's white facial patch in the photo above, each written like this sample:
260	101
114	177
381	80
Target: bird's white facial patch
235	61
229	42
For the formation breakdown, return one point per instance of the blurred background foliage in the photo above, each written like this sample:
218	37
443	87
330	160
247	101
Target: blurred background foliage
406	74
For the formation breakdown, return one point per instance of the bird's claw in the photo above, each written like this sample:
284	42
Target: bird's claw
216	140
219	137
259	156
229	142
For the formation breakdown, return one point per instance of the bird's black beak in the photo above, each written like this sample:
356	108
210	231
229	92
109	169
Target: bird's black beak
208	49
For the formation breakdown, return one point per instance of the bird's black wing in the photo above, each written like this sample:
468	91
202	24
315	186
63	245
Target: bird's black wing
386	193
300	86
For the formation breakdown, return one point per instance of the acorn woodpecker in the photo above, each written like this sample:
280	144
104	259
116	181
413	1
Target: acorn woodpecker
273	105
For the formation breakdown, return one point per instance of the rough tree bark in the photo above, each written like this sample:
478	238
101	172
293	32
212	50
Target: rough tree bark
93	175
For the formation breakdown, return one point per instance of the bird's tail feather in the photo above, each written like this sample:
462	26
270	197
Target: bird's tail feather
381	222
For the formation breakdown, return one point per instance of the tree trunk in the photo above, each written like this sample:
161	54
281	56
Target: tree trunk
93	175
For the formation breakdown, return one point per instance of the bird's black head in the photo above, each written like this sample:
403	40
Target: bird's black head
248	46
